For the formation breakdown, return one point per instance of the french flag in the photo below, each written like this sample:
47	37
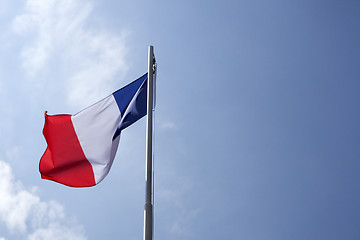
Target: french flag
82	147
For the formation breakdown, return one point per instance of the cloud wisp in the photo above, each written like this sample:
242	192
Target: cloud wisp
25	214
61	42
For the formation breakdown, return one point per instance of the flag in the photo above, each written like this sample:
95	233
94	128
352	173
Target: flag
81	147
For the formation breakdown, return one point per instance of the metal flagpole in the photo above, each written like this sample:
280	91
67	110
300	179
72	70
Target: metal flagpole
148	208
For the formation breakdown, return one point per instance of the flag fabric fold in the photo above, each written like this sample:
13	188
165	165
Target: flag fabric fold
81	147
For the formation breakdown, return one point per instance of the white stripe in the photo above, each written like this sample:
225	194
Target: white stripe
95	127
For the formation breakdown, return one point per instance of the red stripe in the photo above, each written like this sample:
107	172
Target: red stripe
64	160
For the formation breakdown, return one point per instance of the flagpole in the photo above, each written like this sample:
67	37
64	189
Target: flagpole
148	208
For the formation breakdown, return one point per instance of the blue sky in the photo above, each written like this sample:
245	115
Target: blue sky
257	121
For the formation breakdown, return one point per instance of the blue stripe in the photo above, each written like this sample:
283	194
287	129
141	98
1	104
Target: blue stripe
131	105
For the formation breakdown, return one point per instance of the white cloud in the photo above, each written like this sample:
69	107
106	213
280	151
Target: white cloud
168	125
55	232
36	19
88	59
24	213
101	58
